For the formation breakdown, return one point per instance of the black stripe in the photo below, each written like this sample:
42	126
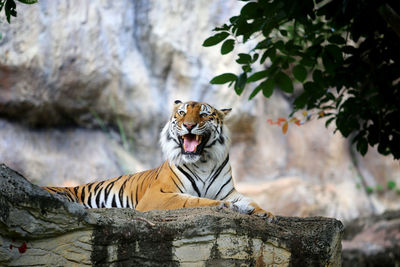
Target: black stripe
211	172
217	172
98	185
108	187
235	200
169	137
157	173
113	203
222	187
162	191
213	143
107	190
89	202
228	193
51	189
89	186
98	198
83	194
178	178
195	175
173	180
184	204
136	196
121	193
76	191
191	181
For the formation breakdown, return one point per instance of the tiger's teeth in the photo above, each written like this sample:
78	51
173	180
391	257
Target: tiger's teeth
197	137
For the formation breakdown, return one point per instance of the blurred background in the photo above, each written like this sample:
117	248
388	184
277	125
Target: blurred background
86	86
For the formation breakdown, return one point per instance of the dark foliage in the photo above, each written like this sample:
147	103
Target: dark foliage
10	8
346	55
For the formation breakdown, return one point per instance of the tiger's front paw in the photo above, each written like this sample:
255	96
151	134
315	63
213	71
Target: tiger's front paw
238	207
265	215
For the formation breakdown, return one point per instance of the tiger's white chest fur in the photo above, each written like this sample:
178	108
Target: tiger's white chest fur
206	179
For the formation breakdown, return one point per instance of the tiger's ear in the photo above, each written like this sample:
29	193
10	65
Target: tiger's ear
176	105
225	111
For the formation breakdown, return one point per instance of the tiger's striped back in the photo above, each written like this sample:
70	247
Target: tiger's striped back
120	192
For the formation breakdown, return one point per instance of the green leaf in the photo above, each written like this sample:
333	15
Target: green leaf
268	87
255	92
313	89
263	44
328	62
255	57
300	73
225	27
307	61
336	39
227	46
369	190
240	83
257	76
271	53
280	45
335	52
362	146
10	10
243	58
249	10
215	39
318	77
284	82
391	185
246	68
28	2
301	101
223	78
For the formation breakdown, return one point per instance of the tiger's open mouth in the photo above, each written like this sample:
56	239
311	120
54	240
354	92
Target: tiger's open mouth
193	143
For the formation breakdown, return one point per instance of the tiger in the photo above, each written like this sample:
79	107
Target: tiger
196	172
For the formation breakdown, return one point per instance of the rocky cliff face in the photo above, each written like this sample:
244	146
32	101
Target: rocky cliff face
86	86
40	229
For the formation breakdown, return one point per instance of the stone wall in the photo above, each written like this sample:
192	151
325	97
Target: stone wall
40	229
86	86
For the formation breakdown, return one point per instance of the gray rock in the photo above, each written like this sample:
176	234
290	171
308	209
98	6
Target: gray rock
372	241
38	228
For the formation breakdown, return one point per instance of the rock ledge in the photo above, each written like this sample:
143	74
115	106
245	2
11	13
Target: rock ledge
37	228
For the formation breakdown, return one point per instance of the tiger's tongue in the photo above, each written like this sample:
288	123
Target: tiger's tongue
190	143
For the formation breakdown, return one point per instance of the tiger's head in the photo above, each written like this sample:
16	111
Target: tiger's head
195	132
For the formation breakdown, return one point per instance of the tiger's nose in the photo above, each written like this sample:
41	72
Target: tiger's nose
189	125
